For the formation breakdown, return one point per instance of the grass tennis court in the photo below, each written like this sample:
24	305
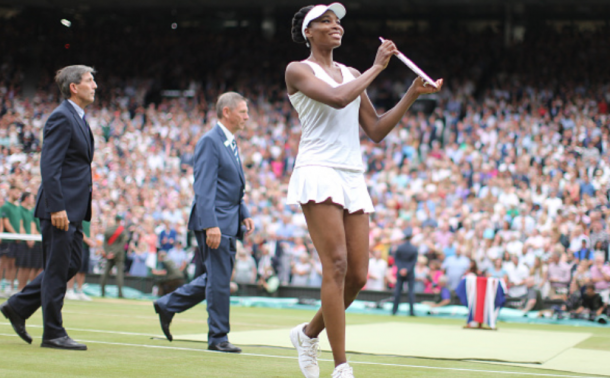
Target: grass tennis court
124	340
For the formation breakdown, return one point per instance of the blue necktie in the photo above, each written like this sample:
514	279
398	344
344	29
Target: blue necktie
235	152
86	127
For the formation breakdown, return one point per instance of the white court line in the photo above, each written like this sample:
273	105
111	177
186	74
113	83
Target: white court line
299	318
97	331
113	315
156	317
326	360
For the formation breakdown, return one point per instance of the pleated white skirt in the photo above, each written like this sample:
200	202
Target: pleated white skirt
317	183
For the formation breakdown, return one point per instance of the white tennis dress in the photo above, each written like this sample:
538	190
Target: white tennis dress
329	161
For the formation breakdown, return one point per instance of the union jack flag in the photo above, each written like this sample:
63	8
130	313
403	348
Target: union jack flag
484	297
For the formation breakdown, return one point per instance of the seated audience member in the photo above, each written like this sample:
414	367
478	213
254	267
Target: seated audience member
473	269
455	267
583	254
497	271
602	249
517	274
540	273
268	280
245	266
315	278
265	262
434	275
444	293
450	249
267	275
167	236
484	263
559	276
591	304
301	270
600	277
179	256
571	303
531	297
138	251
377	272
390	276
170	277
582	274
599	238
421	274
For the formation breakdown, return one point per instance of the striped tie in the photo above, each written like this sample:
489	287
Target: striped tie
235	152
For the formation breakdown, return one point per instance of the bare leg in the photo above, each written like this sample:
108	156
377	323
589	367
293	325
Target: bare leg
22	276
80	280
11	271
357	241
2	267
334	233
529	305
71	283
34	273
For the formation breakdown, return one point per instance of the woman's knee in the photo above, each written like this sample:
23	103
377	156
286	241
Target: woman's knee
337	269
355	280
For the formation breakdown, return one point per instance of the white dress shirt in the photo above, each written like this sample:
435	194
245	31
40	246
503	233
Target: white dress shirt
79	110
228	134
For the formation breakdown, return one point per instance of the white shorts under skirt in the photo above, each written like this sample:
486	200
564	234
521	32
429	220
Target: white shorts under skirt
318	183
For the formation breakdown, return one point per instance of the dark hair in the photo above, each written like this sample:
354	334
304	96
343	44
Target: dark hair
473	268
297	24
25	196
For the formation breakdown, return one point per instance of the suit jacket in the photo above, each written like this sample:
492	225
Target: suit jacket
406	256
219	186
65	165
118	246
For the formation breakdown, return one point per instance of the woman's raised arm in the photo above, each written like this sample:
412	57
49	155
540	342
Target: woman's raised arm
300	78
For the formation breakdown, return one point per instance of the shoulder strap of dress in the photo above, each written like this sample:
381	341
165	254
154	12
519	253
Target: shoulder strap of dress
317	70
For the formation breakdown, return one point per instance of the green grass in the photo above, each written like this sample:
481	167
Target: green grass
147	356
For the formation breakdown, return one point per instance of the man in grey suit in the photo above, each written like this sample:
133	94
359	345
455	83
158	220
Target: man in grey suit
216	218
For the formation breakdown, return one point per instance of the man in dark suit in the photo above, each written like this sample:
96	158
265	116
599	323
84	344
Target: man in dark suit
405	259
63	202
216	218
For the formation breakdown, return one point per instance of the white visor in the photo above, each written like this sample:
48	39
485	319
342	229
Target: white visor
319	10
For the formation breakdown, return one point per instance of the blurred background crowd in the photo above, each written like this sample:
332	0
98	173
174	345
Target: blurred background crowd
505	173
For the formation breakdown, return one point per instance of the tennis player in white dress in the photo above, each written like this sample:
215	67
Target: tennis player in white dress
328	178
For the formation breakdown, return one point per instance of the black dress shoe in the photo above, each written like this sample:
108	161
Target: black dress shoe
165	319
17	322
63	343
225	346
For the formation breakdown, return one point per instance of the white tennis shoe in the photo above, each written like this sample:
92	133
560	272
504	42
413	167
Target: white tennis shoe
343	371
71	295
308	349
82	296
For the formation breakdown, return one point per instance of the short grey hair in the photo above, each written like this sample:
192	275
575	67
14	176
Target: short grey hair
228	100
70	74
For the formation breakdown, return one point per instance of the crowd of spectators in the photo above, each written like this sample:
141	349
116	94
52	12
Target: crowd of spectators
508	176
